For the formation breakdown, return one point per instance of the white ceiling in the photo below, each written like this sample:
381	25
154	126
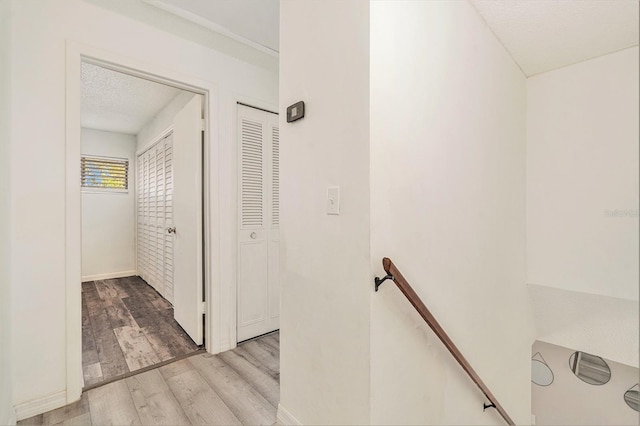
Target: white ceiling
543	35
118	102
254	21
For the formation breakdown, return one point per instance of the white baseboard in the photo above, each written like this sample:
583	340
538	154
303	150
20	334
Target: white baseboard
108	276
41	405
284	417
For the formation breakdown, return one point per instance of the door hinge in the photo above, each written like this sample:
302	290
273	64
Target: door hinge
202	123
203	307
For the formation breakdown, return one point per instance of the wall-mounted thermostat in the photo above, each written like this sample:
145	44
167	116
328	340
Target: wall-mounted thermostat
295	112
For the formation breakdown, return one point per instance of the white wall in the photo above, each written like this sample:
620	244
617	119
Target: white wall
602	325
6	398
39	32
448	207
582	205
582	164
324	352
145	12
108	218
154	129
570	401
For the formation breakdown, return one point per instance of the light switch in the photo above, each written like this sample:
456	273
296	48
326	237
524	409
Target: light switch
333	200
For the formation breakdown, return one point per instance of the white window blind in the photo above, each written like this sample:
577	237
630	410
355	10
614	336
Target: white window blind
105	173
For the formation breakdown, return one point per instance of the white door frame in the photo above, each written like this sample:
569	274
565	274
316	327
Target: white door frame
75	55
233	317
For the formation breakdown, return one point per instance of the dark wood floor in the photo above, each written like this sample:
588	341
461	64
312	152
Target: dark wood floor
126	326
241	386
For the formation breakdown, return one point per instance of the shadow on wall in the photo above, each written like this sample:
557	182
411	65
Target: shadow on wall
570	387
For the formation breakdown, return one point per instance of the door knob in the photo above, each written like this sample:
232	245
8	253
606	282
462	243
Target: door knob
253	235
171	230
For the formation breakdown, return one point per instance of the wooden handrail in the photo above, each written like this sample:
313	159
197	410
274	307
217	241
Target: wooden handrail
394	274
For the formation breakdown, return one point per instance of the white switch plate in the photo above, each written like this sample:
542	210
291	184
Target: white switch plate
333	200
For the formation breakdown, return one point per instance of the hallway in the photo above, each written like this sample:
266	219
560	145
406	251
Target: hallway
241	386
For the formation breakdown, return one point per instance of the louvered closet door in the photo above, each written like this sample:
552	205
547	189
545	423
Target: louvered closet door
143	216
258	235
274	223
154	213
158	221
168	218
151	220
139	215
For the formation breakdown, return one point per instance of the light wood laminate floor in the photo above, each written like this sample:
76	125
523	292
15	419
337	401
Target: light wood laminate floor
241	386
127	326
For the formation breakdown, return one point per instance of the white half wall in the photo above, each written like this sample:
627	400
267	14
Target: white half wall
448	207
324	341
7	413
108	218
38	153
571	401
600	325
582	177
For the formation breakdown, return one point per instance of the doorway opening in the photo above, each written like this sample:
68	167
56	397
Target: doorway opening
142	171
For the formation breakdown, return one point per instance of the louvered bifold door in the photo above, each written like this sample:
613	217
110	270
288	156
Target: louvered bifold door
154	216
143	215
274	221
158	221
153	232
168	218
259	217
253	242
139	210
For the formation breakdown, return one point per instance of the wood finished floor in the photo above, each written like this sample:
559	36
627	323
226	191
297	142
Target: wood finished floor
126	326
241	386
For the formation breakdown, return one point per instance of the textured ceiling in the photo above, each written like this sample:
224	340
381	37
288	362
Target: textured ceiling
118	102
542	35
255	21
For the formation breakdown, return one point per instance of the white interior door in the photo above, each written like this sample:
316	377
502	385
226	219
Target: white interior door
187	219
258	306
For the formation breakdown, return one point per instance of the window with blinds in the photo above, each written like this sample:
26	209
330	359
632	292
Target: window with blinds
105	173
